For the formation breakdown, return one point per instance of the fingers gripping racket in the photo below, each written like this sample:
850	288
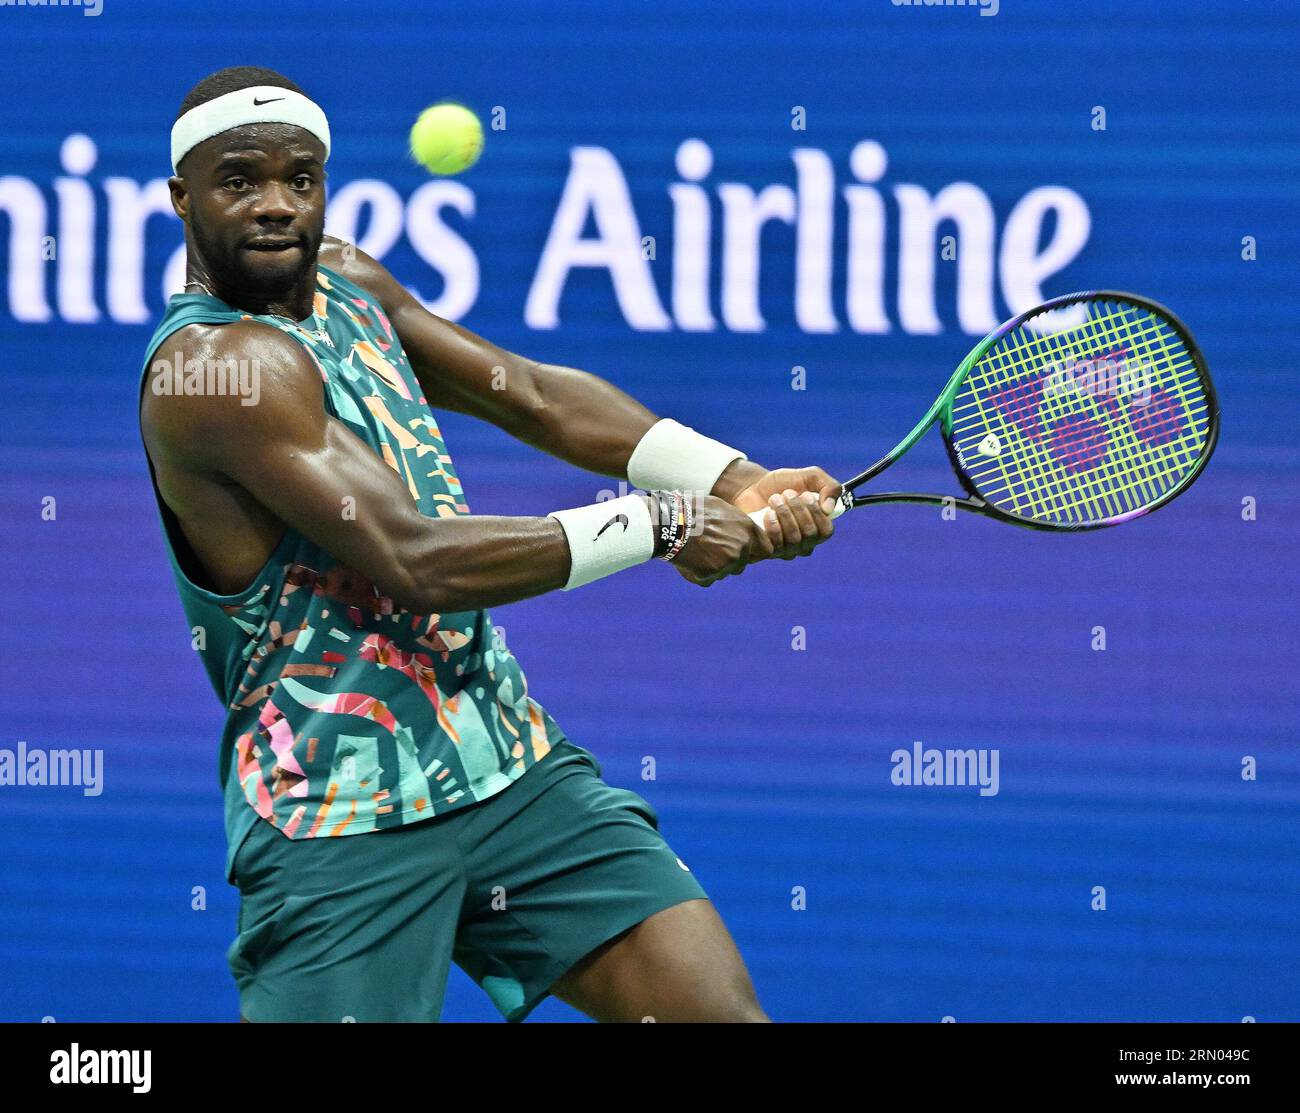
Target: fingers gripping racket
1090	410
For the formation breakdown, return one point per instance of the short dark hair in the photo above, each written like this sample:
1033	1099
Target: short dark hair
231	80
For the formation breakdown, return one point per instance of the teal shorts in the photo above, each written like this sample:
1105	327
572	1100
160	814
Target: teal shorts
515	889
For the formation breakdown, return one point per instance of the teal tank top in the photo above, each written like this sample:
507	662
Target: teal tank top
344	713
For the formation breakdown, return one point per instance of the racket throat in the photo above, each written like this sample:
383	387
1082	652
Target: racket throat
976	505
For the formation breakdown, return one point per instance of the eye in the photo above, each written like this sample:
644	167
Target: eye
303	181
235	183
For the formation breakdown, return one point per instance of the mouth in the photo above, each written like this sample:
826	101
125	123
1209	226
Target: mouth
270	244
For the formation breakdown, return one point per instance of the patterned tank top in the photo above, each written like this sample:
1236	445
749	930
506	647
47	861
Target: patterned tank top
345	713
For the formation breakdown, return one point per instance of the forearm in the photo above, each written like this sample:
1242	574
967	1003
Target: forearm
584	420
461	564
477	561
587	421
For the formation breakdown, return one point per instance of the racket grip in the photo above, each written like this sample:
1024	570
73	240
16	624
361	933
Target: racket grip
841	507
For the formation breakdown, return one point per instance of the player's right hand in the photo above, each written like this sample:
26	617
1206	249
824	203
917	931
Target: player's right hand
723	541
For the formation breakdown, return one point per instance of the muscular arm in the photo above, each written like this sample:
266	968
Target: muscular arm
571	414
303	466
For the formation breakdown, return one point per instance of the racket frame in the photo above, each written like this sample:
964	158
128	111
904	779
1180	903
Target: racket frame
941	412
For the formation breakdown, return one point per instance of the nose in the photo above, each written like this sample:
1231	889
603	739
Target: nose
275	203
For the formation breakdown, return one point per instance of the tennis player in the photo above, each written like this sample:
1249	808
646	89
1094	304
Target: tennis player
394	798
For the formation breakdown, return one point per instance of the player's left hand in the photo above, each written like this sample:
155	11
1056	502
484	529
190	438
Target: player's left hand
801	500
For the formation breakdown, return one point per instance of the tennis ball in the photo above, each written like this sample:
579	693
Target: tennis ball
447	138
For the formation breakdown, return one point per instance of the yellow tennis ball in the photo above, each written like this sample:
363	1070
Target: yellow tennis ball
447	138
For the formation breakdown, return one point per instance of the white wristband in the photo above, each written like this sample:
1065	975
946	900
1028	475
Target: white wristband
606	537
674	457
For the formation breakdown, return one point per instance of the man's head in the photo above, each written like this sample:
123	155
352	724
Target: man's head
249	150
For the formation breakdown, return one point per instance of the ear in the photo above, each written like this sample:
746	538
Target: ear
180	196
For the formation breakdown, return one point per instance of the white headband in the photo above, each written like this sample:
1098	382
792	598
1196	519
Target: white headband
261	104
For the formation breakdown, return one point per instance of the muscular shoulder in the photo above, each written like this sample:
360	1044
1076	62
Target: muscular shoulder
242	339
371	275
232	379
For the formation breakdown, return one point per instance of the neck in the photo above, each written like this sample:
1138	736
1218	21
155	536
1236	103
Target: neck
294	303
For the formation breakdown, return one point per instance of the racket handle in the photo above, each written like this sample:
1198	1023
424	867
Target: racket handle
841	507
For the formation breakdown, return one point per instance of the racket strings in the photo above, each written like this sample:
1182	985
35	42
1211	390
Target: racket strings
1078	444
1065	493
1142	453
1081	440
1067	453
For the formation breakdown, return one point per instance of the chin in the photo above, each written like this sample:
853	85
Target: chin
274	272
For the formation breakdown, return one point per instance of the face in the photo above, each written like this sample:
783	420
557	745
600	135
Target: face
254	200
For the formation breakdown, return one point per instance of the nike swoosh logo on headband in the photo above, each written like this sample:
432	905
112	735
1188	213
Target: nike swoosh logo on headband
269	100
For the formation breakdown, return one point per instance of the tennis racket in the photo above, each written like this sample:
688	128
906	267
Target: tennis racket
1090	410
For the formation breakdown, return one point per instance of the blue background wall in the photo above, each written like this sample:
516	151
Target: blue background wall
1119	769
